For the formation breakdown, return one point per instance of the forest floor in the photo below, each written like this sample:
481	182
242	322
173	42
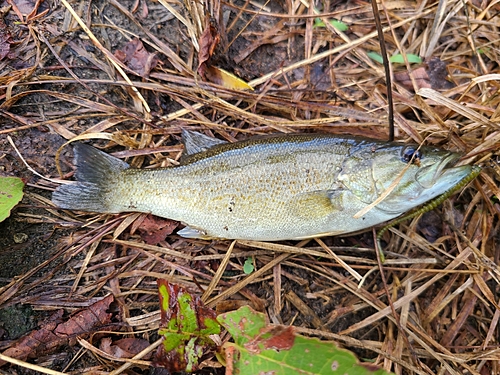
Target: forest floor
129	76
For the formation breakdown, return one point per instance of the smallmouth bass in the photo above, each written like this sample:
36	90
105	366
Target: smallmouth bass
271	188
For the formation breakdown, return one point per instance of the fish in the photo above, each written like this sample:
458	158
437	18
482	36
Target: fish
272	188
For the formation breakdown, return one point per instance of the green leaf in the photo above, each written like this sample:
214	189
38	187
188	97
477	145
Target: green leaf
398	58
186	325
375	56
339	25
248	267
318	22
11	193
273	349
412	59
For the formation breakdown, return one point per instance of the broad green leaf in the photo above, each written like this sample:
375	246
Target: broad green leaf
11	193
398	58
186	325
261	348
248	267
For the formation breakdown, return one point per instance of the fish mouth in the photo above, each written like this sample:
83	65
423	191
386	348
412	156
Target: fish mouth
428	175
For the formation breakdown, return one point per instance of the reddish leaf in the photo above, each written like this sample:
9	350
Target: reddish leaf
433	75
87	320
186	325
53	334
35	341
154	229
420	75
272	337
208	42
137	58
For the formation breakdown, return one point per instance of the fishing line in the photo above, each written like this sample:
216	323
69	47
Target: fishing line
388	81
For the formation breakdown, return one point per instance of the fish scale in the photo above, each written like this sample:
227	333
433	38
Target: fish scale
270	188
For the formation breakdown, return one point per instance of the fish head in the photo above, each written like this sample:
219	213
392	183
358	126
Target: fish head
414	175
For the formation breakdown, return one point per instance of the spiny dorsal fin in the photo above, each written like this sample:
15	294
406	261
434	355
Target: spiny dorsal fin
195	142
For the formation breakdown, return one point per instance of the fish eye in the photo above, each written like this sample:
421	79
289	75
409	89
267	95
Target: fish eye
410	153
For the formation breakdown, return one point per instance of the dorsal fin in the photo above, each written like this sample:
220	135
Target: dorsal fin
195	142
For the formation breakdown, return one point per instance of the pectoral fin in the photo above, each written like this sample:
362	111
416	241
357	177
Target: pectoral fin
317	204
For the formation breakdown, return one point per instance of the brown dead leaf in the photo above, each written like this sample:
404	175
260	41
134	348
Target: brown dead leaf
87	320
438	74
54	334
434	75
420	75
124	348
37	341
26	10
208	42
137	58
154	229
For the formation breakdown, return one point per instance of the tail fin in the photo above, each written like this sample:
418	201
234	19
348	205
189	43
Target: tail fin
96	177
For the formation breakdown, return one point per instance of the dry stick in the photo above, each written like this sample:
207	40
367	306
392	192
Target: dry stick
245	26
30	366
110	57
141	354
101	353
388	81
414	331
335	50
81	82
234	289
348	268
396	316
86	261
219	273
17	282
55	180
386	311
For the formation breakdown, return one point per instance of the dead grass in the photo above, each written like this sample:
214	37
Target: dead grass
438	310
